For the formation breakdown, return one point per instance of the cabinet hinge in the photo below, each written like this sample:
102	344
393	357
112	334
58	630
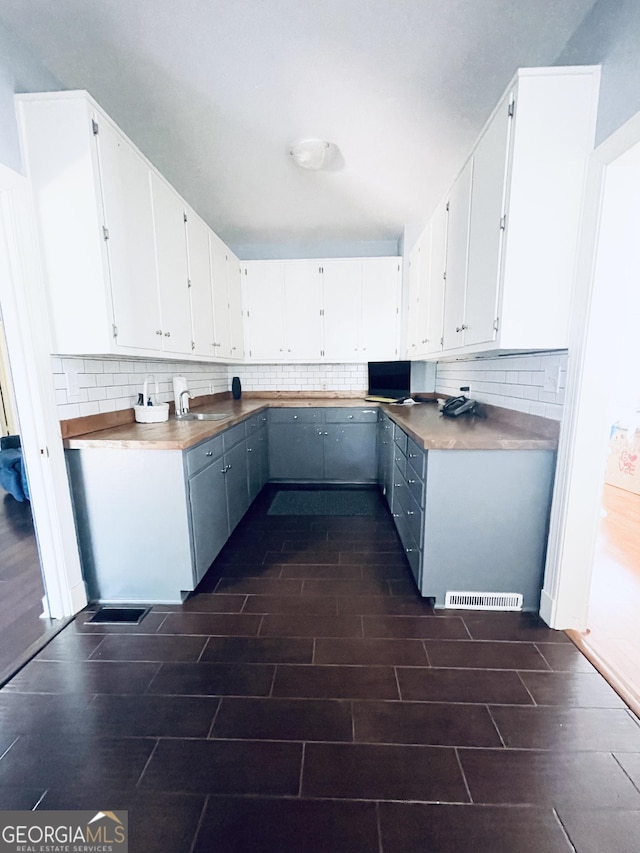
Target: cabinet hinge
105	232
95	127
114	330
188	282
442	342
322	312
184	216
193	345
495	324
512	109
444	275
503	222
447	207
248	313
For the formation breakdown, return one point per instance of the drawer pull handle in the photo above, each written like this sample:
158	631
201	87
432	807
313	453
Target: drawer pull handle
410	512
410	550
209	453
412	482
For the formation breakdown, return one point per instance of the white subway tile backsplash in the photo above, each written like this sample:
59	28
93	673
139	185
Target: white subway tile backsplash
515	381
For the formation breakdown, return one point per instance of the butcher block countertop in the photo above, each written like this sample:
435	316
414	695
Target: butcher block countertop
497	429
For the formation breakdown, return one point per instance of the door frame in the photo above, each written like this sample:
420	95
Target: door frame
583	445
24	307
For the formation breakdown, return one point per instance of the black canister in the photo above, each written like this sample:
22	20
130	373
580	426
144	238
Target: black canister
236	388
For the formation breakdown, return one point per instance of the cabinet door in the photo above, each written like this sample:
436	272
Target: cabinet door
350	453
263	287
254	465
436	284
209	521
295	451
172	269
380	314
126	190
235	464
457	250
302	292
486	228
413	318
220	293
234	288
200	290
341	296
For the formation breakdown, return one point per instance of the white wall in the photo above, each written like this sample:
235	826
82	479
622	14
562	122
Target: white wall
610	36
19	72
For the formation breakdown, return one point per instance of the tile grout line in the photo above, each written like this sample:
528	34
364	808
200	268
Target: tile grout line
205	805
147	762
215	717
302	758
495	725
563	828
464	777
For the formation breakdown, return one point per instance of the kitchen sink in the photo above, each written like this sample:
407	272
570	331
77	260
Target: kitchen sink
202	416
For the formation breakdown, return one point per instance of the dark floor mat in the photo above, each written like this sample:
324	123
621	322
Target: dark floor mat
325	502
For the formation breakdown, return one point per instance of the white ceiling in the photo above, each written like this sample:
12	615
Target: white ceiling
214	91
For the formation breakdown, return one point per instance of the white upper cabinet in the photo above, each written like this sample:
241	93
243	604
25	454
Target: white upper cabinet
487	226
115	255
263	283
129	232
514	219
200	286
220	290
342	305
459	210
302	310
172	267
337	310
434	302
235	316
380	314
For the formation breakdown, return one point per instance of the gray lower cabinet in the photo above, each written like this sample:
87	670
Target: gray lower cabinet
236	483
472	521
208	515
314	445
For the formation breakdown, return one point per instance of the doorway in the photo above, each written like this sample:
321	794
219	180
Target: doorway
589	575
24	309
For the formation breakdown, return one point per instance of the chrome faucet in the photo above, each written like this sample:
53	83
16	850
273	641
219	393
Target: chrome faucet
182	409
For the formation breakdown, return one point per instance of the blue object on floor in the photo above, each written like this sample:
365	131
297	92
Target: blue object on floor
13	474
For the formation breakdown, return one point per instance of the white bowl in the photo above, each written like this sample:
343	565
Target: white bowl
151	414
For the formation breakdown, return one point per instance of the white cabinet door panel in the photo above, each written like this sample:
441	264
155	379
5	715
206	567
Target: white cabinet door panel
234	289
457	249
264	291
380	309
341	286
221	326
126	189
438	260
486	228
172	269
302	300
200	290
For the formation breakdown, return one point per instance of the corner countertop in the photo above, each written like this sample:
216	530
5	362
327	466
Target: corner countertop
500	429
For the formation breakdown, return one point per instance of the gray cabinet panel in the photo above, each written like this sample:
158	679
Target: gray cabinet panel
295	415
486	521
350	416
236	477
209	518
295	451
350	452
233	436
199	457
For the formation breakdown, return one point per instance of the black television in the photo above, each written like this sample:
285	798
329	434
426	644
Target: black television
389	379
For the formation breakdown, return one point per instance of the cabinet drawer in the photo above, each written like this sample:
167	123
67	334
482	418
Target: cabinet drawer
412	513
415	485
295	416
416	460
400	463
400	438
199	457
399	481
252	424
233	436
350	416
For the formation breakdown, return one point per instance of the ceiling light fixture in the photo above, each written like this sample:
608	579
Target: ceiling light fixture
311	153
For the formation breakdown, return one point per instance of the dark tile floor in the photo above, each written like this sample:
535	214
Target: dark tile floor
307	700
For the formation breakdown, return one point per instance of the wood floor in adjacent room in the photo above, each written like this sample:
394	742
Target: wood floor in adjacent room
614	607
21	587
306	699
